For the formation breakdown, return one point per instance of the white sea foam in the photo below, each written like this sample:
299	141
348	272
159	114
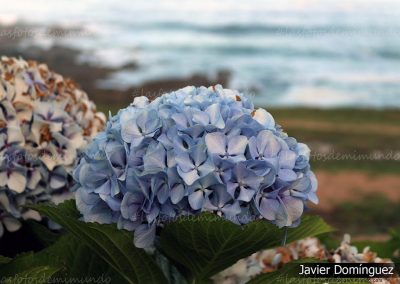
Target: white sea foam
345	49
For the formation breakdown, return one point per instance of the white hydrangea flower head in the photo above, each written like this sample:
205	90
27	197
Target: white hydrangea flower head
45	122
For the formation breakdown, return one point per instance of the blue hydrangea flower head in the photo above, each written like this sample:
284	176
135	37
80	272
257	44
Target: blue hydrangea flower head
189	151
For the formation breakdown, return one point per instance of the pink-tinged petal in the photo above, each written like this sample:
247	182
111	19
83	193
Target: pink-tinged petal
31	215
237	145
16	182
3	178
50	159
14	134
11	224
34	179
216	143
4	202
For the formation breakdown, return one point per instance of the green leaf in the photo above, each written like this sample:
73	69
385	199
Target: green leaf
384	249
75	259
206	244
112	245
170	271
39	274
288	274
42	233
4	260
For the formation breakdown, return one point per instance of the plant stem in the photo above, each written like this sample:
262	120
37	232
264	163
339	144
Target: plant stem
285	236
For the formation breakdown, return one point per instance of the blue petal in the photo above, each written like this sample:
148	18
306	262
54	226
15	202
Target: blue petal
287	175
177	193
188	177
155	158
184	161
216	143
268	208
144	235
232	209
246	194
294	208
214	114
237	145
287	159
163	194
131	205
196	199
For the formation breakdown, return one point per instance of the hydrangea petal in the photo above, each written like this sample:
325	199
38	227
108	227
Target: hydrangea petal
144	235
216	143
16	182
196	199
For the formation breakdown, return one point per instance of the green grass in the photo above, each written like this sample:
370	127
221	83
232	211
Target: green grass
340	115
371	167
345	142
350	142
371	214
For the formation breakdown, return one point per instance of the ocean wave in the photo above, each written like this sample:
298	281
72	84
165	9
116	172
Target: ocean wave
248	28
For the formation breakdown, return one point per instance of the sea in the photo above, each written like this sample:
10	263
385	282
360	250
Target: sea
322	53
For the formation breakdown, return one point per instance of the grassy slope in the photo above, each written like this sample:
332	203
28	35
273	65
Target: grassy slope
350	132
